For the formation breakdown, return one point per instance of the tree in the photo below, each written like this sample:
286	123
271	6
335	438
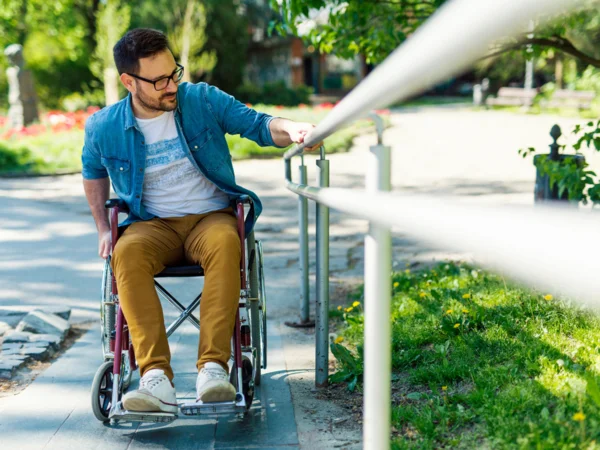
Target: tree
112	22
188	39
375	28
56	50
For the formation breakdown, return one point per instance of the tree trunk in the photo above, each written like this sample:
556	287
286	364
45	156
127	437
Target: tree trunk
558	71
22	24
185	39
111	85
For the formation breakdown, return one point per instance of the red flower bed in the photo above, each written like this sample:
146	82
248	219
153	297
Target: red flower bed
52	121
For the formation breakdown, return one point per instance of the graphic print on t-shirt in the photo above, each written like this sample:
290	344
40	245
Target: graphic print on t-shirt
166	165
173	187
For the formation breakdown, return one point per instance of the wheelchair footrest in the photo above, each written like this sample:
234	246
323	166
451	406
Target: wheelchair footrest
138	416
214	408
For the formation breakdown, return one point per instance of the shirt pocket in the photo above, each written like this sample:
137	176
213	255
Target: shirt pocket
120	174
205	152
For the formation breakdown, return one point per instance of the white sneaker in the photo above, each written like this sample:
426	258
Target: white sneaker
156	394
212	384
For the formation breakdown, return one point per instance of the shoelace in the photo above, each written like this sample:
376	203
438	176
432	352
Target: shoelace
212	374
150	382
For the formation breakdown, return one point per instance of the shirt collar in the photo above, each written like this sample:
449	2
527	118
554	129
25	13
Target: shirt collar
130	118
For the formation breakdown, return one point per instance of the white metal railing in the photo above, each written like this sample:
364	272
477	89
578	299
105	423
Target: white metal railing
521	242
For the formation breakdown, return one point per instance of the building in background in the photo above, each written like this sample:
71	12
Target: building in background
286	58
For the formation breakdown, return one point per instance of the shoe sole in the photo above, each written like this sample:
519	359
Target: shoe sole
147	403
217	394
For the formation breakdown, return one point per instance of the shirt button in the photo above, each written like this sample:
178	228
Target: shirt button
120	168
142	142
195	146
141	170
137	196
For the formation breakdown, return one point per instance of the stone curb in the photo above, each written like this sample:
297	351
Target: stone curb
33	335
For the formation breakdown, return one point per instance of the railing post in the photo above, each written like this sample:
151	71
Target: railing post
305	321
322	310
303	241
378	268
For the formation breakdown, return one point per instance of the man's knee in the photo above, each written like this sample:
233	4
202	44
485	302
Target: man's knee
224	244
129	256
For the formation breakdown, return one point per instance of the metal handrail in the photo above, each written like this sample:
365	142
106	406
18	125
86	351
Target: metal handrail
434	53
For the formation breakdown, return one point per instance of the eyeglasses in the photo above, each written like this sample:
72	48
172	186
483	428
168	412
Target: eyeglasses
163	82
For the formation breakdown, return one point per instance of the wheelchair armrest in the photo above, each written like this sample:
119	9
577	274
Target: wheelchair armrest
243	199
117	203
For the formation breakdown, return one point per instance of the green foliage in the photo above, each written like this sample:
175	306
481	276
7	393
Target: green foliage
520	370
276	93
370	28
44	154
187	35
350	366
56	45
588	81
226	36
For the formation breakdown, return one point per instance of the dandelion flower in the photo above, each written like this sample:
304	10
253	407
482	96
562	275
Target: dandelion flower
579	417
456	325
355	304
407	271
466	296
549	297
339	308
444	388
422	294
466	311
349	309
339	339
449	311
396	284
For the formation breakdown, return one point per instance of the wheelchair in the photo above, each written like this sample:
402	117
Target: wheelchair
249	341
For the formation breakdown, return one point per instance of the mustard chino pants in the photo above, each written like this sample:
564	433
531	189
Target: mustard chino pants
145	249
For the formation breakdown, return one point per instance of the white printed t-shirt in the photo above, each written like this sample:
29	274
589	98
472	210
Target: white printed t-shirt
173	187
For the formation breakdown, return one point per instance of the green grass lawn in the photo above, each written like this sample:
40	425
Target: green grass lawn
481	363
58	152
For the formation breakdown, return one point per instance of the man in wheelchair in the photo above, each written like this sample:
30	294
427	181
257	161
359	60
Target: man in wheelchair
164	149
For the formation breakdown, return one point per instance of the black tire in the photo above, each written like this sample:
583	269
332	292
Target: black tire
253	307
262	313
102	388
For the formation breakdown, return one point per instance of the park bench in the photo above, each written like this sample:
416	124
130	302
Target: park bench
510	96
563	98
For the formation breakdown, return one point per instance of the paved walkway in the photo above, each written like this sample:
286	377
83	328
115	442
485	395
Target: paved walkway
48	256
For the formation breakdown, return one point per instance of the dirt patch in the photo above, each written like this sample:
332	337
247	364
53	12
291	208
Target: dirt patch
29	372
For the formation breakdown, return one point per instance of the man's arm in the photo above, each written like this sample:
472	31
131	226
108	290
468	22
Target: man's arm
96	185
286	132
97	192
236	118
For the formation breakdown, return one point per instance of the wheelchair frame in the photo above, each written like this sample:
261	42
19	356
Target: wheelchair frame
249	341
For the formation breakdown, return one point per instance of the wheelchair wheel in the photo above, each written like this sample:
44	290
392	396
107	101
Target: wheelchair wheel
262	303
247	381
102	388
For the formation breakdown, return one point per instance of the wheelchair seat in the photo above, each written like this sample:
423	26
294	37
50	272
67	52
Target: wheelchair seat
181	271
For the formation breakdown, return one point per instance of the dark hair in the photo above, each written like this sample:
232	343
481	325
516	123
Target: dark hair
135	44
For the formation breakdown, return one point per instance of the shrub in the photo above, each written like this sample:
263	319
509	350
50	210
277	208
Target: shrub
276	93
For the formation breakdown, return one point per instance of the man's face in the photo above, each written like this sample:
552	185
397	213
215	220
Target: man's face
153	68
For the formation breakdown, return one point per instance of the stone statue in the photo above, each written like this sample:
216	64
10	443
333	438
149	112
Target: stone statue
21	92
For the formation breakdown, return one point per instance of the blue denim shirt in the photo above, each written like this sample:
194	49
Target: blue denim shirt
114	145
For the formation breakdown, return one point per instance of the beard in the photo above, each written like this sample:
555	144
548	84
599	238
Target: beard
166	102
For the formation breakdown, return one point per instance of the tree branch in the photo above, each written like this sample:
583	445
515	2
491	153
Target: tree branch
557	42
